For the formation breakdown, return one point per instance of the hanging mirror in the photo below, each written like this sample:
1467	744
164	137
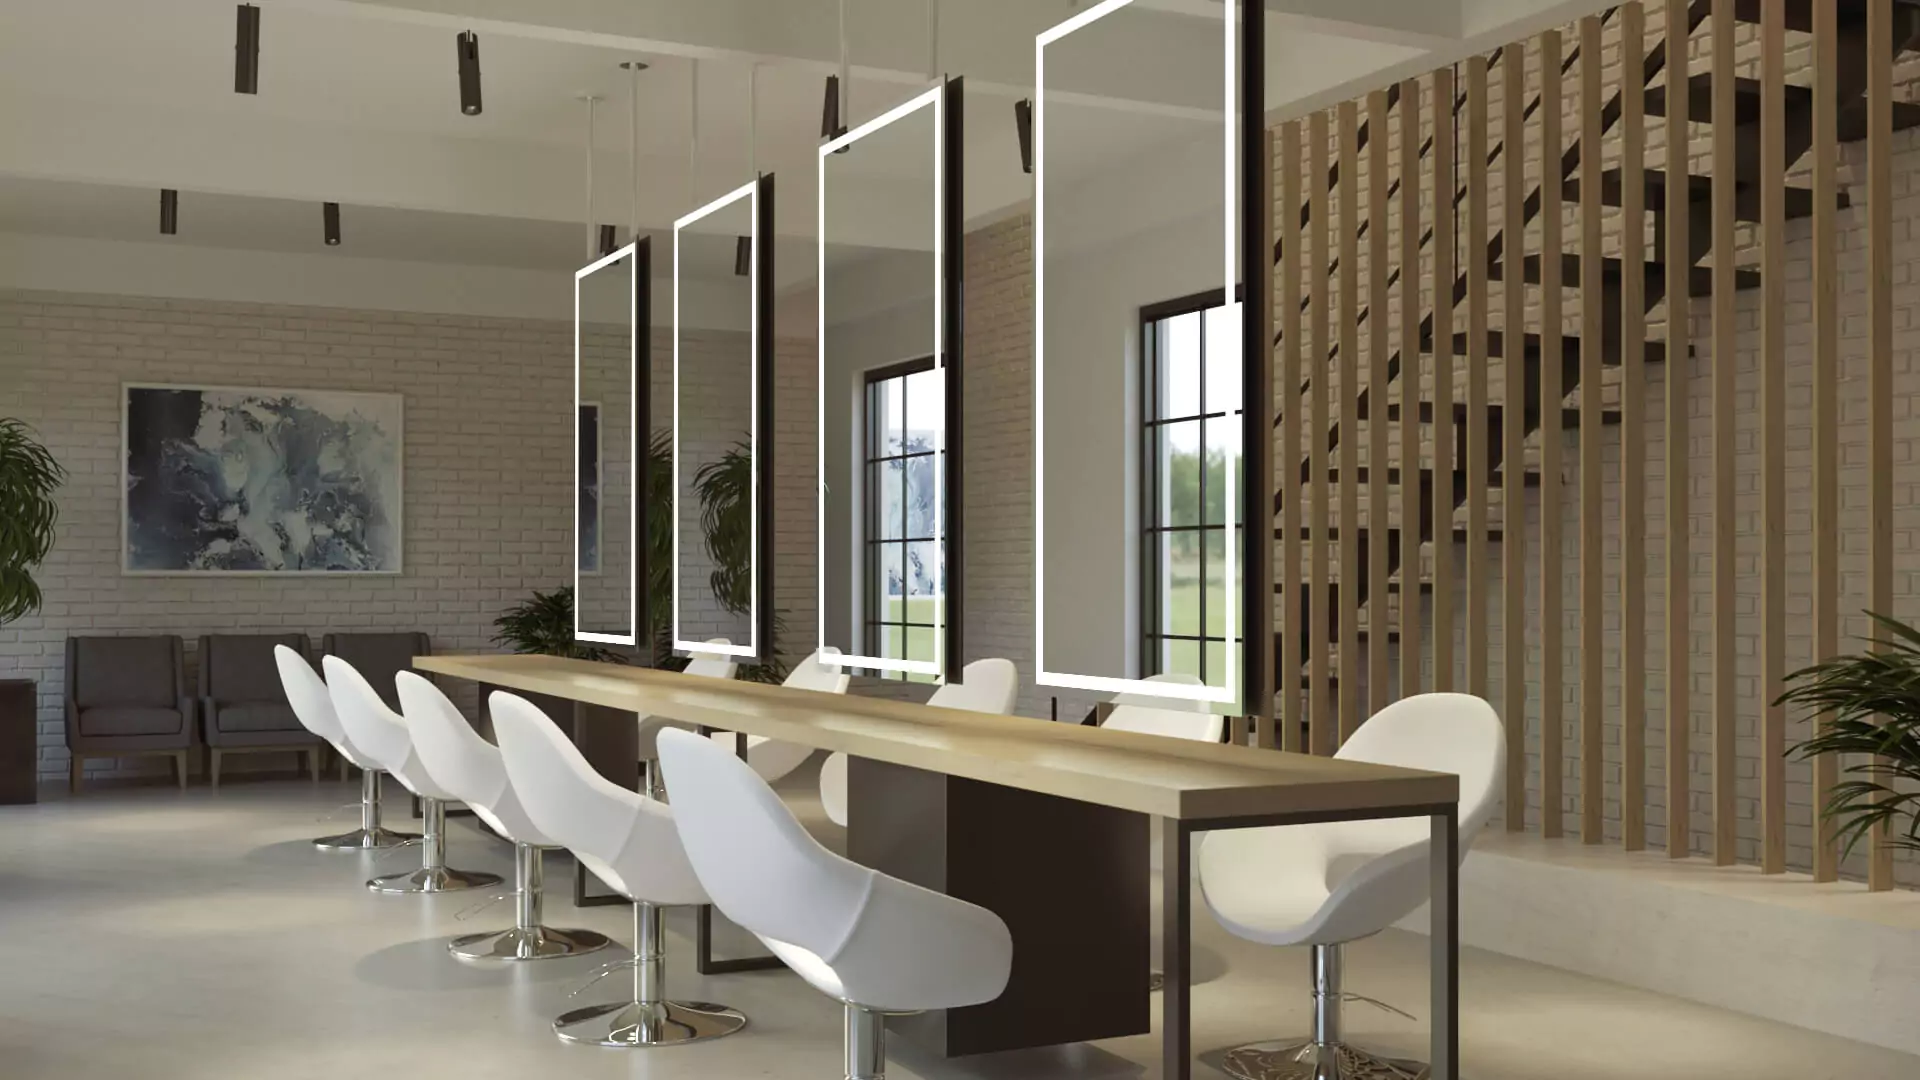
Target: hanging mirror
609	364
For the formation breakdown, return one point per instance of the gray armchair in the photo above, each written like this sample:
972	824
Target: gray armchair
127	697
243	707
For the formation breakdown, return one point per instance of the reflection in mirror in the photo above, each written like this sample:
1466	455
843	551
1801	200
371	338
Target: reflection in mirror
883	405
1137	353
605	368
716	496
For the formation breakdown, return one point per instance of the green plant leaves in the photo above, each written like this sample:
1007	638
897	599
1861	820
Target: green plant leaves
29	476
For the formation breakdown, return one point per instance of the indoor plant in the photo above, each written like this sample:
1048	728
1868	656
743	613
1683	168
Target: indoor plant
725	488
1868	706
29	475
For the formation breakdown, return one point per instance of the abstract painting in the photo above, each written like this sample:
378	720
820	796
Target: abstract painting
587	501
231	481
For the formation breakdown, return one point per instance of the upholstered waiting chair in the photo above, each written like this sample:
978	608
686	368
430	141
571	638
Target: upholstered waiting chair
988	686
874	943
382	734
771	758
470	767
1325	885
127	697
307	695
705	665
629	842
243	707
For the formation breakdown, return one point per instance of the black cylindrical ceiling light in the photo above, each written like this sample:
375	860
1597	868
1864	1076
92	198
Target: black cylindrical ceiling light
246	51
830	127
1023	123
609	240
330	221
169	211
469	47
743	257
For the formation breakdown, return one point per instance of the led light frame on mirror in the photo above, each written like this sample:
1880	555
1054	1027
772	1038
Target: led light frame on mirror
936	667
751	192
633	444
1229	692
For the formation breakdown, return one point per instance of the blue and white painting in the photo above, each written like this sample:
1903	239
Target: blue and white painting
587	498
231	481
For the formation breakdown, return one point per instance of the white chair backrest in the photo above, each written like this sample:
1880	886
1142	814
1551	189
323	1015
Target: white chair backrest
307	695
713	665
988	686
1170	717
371	726
1455	733
762	869
1161	701
571	803
812	674
454	754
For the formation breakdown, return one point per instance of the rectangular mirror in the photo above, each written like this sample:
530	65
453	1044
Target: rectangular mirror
608	348
888	378
1137	365
721	420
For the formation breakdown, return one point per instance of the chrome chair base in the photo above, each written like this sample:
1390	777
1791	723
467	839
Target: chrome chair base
627	1025
1313	1061
375	839
432	879
532	943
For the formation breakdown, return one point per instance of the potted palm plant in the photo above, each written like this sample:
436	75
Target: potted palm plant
1868	716
29	476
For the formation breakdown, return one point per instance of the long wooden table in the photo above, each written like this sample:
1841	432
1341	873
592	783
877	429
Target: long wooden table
1192	787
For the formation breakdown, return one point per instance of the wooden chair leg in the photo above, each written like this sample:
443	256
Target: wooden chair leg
76	767
213	768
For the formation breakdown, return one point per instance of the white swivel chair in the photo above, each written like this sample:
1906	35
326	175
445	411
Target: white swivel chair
705	665
988	686
771	758
470	767
307	695
874	943
382	734
1325	885
1173	717
628	840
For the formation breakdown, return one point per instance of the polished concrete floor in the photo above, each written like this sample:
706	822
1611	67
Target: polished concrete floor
158	934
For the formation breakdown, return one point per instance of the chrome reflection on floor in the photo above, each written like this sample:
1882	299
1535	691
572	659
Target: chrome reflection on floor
1303	1061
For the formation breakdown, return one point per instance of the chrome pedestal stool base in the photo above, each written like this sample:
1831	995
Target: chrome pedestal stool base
432	879
1311	1061
531	943
375	839
660	1023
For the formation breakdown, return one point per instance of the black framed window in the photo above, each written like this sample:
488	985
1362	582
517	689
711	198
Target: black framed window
905	407
1190	417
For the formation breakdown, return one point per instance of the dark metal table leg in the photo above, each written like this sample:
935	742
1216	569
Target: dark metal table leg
1176	916
1444	891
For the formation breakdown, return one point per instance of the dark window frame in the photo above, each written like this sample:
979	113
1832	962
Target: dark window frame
873	621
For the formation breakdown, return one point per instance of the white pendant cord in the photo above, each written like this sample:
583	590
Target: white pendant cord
693	142
633	150
933	41
846	74
753	120
592	248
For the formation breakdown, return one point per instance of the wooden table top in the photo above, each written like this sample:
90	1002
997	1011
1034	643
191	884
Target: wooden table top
1152	774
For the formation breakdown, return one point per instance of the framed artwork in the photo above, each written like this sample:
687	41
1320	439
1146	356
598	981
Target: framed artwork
587	498
224	480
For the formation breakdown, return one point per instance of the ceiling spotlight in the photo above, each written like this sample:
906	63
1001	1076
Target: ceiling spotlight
831	126
468	46
330	219
246	51
743	257
169	211
609	240
1023	123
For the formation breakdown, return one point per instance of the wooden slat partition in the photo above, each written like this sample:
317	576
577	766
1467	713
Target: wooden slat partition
1826	384
1633	490
1378	536
1773	436
1513	542
1443	279
1261	692
1348	613
1475	246
1725	368
1679	453
1410	365
1551	749
1880	387
1592	342
1291	428
1319	347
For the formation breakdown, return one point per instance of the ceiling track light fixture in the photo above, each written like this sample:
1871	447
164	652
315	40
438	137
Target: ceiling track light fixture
633	68
838	108
468	46
830	125
609	240
330	222
169	211
1023	124
246	51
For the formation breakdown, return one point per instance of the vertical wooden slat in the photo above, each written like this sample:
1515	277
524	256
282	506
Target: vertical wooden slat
1551	750
1319	602
1513	539
1441	490
1773	437
1880	388
1679	453
1475	246
1725	176
1592	528
1826	385
1257	369
1286	469
1378	536
1410	365
1350	669
1633	494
